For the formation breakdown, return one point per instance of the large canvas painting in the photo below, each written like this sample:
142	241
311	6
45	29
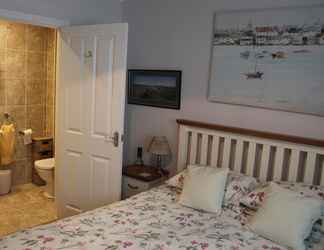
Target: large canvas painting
270	58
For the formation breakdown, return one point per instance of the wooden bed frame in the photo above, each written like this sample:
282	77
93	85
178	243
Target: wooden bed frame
268	156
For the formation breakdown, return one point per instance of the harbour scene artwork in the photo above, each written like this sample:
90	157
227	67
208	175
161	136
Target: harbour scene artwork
262	61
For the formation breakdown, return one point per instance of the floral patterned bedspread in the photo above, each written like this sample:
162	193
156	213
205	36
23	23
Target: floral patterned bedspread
151	220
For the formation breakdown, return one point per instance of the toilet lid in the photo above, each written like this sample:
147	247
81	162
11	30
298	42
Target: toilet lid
45	164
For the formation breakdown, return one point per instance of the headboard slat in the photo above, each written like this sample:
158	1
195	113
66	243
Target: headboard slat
279	158
226	152
251	158
267	155
293	165
214	151
193	147
238	156
310	167
265	159
204	149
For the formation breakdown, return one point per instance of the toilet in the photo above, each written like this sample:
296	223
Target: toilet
45	169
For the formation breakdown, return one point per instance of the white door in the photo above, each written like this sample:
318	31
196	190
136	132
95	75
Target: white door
91	92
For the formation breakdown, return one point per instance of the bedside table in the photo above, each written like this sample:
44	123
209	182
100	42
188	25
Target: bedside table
137	179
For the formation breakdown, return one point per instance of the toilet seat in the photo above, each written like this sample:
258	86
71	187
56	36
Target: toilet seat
45	164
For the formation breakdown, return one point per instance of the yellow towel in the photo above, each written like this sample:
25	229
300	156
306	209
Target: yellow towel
7	143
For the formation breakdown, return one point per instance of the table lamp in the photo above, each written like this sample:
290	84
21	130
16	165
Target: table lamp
159	146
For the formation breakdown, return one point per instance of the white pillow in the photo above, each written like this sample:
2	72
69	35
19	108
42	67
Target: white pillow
286	217
204	188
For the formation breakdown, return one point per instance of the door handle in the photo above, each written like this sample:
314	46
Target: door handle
114	139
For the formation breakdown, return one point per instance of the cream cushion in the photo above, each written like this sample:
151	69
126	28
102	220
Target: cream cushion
286	217
204	188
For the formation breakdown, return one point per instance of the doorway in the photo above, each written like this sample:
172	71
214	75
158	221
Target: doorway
27	101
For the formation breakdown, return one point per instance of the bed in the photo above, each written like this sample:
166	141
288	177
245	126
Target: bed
154	219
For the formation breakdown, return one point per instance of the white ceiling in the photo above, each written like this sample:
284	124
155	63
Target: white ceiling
77	11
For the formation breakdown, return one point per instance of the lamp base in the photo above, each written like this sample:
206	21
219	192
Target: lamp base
158	161
159	167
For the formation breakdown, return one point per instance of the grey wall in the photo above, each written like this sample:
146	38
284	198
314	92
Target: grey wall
175	34
76	11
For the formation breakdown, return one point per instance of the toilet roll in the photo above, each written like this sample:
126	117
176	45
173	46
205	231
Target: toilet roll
27	136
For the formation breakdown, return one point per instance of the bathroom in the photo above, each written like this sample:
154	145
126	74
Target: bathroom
27	110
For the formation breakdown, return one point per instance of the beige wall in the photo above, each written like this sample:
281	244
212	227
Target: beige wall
27	55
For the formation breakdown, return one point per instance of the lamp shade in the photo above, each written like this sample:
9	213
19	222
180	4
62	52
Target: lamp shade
159	146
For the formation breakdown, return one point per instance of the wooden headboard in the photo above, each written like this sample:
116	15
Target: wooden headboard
268	156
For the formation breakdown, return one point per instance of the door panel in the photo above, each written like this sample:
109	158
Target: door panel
91	99
73	95
102	87
75	183
100	188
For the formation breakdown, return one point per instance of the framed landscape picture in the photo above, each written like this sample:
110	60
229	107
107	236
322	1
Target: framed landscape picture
157	88
269	58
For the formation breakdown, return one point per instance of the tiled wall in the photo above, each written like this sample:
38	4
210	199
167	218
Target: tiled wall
27	79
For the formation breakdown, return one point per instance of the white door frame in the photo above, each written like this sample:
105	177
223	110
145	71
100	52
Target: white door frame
32	19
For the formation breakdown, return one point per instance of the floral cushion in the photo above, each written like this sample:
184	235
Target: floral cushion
177	180
238	185
254	199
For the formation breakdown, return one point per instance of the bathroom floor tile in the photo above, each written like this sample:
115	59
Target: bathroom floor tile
25	207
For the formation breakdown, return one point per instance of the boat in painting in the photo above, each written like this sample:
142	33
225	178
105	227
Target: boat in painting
279	55
256	74
245	54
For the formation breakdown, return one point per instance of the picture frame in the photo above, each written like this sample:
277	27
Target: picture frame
270	63
155	88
